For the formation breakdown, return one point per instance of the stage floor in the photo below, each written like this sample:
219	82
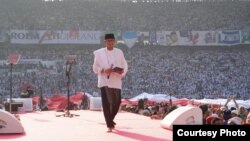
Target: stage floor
88	126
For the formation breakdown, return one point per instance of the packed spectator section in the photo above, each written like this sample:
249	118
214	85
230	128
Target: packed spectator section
124	15
192	72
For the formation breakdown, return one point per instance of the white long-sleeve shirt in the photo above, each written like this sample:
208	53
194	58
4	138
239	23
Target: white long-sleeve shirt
104	59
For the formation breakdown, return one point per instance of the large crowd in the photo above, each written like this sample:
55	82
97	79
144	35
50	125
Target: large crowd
193	72
124	15
183	72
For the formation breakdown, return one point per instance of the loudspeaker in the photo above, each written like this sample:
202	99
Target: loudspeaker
9	123
95	103
27	103
186	115
14	106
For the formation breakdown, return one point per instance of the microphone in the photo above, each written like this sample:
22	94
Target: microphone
111	68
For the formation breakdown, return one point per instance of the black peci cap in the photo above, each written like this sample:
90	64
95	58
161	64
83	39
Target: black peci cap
109	36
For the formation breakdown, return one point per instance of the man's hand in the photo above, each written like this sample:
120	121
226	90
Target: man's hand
119	72
107	71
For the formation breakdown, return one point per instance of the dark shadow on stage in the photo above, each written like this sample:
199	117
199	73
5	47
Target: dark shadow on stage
11	136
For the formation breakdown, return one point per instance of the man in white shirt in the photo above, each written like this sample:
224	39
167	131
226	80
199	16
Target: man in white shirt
111	66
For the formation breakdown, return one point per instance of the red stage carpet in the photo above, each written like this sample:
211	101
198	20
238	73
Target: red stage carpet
89	126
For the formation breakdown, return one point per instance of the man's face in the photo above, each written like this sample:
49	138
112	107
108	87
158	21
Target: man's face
110	43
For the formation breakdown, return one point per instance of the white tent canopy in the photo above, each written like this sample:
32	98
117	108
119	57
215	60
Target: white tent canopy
152	97
166	97
245	103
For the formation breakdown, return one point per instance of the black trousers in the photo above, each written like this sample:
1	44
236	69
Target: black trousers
111	100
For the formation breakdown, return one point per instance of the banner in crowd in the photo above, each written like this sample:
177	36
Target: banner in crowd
201	38
55	37
152	39
130	38
228	37
14	58
167	38
245	37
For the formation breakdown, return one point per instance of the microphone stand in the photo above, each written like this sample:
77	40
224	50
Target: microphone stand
68	74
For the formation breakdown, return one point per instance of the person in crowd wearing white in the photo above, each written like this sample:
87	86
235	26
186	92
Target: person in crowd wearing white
111	66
